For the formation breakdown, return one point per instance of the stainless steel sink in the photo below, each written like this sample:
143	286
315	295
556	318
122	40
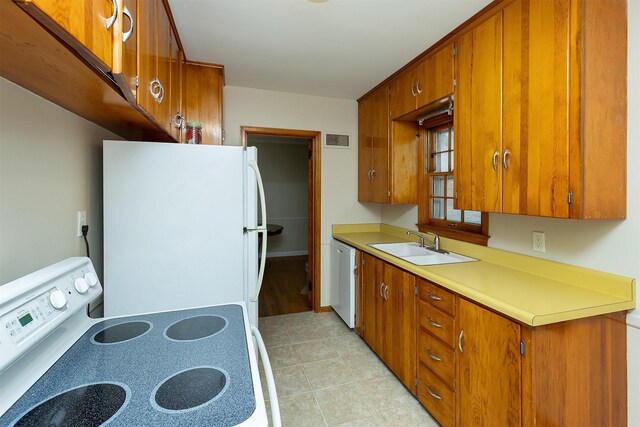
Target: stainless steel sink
415	254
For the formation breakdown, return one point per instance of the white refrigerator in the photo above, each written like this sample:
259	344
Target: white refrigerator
181	227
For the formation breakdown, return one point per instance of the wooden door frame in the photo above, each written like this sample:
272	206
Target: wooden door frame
316	137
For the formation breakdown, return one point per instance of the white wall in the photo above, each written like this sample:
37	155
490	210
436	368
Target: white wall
339	193
50	167
283	166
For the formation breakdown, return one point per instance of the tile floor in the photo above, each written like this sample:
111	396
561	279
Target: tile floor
327	376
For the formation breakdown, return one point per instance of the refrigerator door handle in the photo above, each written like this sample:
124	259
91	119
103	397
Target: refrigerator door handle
263	206
263	259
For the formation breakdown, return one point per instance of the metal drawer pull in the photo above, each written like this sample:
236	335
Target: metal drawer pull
434	324
127	35
505	160
494	161
435	297
435	396
460	341
433	356
112	19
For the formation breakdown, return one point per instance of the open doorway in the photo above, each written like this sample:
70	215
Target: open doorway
292	277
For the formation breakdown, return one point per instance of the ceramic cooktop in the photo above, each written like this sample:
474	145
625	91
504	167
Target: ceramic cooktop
187	367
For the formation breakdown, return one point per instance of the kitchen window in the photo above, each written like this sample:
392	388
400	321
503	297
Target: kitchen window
436	212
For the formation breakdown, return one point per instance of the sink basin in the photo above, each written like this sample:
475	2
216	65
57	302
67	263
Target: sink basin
413	253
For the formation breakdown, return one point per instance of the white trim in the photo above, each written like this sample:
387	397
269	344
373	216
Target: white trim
290	253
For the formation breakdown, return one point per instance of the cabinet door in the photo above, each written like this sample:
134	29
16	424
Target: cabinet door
163	116
365	109
403	91
125	65
398	331
489	368
380	147
478	123
203	100
147	51
371	282
435	76
176	89
83	25
536	107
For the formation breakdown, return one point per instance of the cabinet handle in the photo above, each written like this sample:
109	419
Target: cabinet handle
126	36
434	324
434	297
494	161
386	293
435	396
460	341
178	121
418	87
505	159
154	88
433	356
112	19
369	174
381	286
413	90
373	174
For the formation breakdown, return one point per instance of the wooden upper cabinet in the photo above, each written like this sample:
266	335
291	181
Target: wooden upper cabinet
147	56
478	118
203	99
435	76
489	368
125	49
540	115
82	24
164	116
373	147
402	98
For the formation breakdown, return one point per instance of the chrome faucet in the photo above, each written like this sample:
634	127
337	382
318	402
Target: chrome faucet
436	239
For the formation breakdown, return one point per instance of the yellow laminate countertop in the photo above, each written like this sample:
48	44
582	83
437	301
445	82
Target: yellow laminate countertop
530	290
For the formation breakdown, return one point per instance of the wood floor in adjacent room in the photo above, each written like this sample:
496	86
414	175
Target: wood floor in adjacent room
282	287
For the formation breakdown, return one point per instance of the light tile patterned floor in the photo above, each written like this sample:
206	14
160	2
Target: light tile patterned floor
327	376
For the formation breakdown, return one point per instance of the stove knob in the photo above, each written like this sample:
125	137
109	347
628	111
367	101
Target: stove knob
57	299
91	279
81	285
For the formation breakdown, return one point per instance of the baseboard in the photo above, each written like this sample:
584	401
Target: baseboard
325	309
283	254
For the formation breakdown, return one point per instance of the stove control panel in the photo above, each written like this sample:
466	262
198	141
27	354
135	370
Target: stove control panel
33	306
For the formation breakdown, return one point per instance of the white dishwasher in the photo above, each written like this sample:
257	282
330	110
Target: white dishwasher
343	283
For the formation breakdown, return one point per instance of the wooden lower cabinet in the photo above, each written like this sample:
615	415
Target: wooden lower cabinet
471	366
389	316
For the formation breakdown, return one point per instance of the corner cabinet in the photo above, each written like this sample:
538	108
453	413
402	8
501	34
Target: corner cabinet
387	162
540	119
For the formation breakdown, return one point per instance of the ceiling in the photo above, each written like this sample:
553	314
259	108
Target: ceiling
335	48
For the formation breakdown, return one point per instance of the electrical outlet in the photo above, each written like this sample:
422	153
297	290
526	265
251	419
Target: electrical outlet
81	220
538	241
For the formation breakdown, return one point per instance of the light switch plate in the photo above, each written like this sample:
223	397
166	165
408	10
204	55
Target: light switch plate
538	241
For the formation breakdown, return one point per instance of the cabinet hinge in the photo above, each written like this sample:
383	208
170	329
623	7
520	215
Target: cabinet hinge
137	81
415	381
455	51
523	348
454	82
355	271
388	193
415	290
570	198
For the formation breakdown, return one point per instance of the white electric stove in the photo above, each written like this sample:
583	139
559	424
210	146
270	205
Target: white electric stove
59	367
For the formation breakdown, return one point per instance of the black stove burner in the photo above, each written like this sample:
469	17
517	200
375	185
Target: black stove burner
121	332
195	328
190	389
86	406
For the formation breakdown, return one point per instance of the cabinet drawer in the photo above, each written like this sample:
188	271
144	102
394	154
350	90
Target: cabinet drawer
438	323
434	394
437	296
437	357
